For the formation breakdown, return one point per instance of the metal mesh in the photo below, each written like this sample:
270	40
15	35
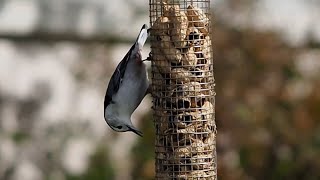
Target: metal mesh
183	89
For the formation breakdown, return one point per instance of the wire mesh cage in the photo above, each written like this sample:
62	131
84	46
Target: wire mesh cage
183	89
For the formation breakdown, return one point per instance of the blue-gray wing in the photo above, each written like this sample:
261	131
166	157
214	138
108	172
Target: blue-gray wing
116	78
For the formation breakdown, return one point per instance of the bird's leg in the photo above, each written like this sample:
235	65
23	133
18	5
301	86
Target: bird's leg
149	90
149	58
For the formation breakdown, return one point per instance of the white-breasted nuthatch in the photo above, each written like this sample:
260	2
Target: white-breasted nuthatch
127	87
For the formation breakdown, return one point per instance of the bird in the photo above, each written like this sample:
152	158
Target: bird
127	87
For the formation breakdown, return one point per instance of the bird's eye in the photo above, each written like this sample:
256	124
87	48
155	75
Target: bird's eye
119	127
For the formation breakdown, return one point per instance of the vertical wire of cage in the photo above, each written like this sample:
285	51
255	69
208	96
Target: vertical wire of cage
183	89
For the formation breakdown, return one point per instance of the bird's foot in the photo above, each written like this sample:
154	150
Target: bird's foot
149	58
149	90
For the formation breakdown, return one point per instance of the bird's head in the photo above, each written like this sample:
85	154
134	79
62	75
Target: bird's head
122	126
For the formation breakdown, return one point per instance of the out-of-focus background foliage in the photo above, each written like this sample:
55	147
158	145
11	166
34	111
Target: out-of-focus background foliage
56	58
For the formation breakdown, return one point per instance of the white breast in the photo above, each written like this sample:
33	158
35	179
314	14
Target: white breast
132	89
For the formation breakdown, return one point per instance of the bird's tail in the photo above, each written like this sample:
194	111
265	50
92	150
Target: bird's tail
143	35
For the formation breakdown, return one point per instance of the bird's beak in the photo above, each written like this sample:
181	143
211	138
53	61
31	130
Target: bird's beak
139	133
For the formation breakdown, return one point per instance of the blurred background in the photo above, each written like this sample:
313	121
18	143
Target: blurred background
57	56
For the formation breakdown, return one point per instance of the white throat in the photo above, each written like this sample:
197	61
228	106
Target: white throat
112	113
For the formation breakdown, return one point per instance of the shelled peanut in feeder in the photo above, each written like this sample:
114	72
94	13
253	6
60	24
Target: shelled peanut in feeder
181	50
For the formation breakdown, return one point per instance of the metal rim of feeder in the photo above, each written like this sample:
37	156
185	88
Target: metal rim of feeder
183	89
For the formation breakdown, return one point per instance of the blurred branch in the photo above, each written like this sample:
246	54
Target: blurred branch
56	37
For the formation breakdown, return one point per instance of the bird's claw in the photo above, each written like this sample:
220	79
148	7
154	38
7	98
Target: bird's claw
149	58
